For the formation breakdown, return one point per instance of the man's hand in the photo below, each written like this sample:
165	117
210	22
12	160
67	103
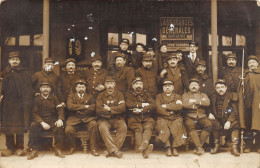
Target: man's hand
45	125
100	87
179	102
63	104
192	101
137	110
86	106
145	104
227	125
59	123
1	97
164	71
164	106
106	107
211	116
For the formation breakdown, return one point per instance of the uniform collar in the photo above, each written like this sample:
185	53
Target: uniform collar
100	71
45	98
112	94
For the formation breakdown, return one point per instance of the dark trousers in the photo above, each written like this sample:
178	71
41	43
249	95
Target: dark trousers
113	144
14	143
35	136
251	136
90	126
142	130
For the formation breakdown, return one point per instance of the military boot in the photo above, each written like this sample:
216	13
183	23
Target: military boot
194	136
234	139
203	137
216	148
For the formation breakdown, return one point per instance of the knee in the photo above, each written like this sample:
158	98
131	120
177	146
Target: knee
93	124
69	130
208	127
149	127
122	127
103	128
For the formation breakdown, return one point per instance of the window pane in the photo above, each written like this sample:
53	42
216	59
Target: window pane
38	40
24	40
240	40
128	36
226	41
210	40
141	38
10	41
113	39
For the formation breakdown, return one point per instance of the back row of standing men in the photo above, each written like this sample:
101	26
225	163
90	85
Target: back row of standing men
131	81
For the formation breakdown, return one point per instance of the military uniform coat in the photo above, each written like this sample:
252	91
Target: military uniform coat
47	110
77	111
206	84
232	77
17	100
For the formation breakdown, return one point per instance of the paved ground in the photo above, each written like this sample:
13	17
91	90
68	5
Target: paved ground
131	159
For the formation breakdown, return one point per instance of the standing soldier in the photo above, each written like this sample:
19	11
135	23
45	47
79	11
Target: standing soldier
191	59
224	115
67	80
169	121
206	83
111	114
48	115
141	106
95	77
123	75
123	49
149	77
194	104
162	57
176	74
231	73
82	115
249	104
48	74
15	104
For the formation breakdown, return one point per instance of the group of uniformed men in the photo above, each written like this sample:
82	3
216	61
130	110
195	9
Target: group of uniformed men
169	92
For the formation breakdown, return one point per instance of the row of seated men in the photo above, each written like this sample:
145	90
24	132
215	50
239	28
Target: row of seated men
124	77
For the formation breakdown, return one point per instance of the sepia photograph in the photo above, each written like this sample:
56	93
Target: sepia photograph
129	83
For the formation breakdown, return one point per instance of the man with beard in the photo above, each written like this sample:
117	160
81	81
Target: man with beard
137	56
231	73
176	74
191	59
163	56
249	105
46	74
95	77
67	80
141	106
16	104
124	44
194	104
123	75
82	115
149	77
48	115
111	114
224	116
169	120
206	83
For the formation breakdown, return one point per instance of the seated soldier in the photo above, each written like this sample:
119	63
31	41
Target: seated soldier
169	121
224	115
82	116
111	114
48	115
194	104
141	106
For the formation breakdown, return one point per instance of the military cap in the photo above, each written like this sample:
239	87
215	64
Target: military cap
201	62
124	40
168	82
81	81
96	58
179	51
163	44
194	80
252	57
136	79
45	82
48	60
110	79
172	55
119	54
70	60
149	48
221	81
193	42
147	57
14	54
231	55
